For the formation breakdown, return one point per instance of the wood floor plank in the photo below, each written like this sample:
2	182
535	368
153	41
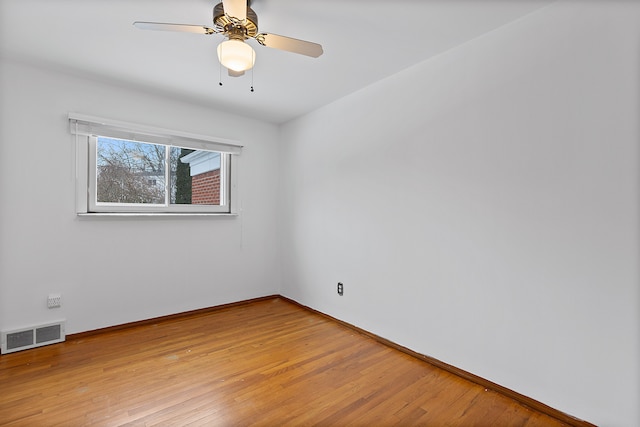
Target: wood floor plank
266	363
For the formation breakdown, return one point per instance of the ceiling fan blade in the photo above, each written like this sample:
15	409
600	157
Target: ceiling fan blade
184	28
290	44
235	9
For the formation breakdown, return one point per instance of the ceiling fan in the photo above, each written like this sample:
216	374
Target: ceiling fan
238	22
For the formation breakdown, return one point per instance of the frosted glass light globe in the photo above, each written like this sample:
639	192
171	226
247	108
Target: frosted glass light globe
236	55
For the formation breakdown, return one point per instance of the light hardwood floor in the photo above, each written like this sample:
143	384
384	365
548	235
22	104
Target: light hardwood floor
268	363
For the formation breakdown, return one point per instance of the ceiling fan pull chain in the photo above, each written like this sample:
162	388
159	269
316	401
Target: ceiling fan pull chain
220	74
253	68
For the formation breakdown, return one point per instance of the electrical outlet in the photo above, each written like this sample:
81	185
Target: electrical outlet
340	289
54	300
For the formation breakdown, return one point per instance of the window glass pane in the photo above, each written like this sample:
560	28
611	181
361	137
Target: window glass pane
130	172
180	177
197	177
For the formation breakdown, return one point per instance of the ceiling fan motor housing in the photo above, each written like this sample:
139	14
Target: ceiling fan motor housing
236	30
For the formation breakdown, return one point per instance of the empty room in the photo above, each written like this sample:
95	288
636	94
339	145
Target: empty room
382	213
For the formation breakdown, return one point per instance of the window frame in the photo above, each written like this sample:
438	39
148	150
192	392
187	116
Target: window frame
87	129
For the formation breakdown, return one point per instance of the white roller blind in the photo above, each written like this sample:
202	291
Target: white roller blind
87	125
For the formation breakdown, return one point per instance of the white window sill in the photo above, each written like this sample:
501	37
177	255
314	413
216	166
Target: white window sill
155	214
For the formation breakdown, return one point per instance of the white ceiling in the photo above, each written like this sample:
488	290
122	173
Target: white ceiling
364	41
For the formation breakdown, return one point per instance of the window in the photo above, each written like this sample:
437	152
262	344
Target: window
127	176
124	168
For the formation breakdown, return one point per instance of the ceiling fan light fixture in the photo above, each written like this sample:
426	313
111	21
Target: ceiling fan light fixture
236	55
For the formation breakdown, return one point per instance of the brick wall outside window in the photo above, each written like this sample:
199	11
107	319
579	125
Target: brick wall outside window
205	188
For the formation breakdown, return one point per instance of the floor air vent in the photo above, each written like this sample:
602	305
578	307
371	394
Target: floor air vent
22	339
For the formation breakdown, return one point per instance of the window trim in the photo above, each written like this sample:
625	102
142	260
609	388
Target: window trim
86	130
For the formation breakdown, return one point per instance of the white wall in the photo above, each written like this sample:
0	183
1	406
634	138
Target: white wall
482	208
117	270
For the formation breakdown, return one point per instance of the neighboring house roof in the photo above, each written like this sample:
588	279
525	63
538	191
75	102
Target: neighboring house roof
202	161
